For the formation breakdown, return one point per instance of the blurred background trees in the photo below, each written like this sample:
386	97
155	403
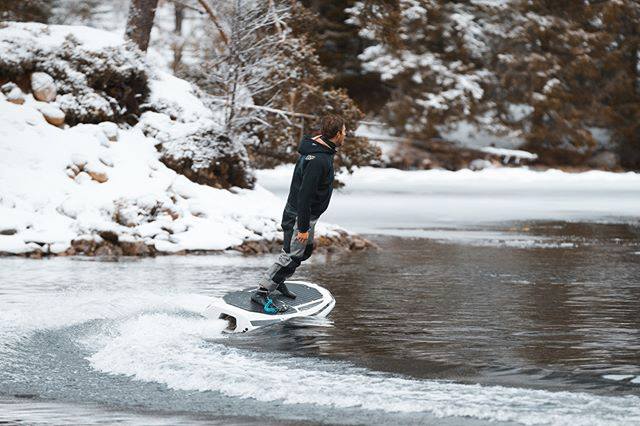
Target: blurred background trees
559	79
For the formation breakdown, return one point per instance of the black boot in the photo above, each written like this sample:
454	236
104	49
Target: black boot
269	306
282	288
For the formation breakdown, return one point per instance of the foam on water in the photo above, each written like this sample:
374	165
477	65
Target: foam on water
177	351
21	316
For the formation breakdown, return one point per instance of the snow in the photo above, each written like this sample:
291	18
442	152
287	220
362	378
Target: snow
482	134
513	179
397	202
166	88
44	205
517	154
618	377
52	36
50	190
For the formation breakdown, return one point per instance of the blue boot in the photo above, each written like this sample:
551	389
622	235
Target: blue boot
269	305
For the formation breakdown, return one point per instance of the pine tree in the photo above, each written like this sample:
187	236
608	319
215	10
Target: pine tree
338	44
432	55
575	65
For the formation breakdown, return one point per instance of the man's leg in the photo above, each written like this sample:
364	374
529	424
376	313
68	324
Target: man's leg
293	253
267	285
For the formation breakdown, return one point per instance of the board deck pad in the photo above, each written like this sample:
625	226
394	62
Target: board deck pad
305	294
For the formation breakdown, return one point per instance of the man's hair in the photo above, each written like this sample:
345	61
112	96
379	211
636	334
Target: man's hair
330	125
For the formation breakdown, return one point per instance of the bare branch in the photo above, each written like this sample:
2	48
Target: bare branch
213	17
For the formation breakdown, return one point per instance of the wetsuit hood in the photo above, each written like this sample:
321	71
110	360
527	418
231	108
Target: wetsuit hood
309	146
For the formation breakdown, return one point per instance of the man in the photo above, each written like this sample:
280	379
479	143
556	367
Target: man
309	195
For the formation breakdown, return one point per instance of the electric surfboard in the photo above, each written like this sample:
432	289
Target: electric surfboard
242	314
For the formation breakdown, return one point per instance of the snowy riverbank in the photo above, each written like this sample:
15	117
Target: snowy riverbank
105	189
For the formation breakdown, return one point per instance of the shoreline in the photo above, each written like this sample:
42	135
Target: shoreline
343	242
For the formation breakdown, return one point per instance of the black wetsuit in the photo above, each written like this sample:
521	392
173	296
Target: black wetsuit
309	196
312	182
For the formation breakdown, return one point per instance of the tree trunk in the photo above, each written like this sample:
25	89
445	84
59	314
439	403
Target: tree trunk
140	21
178	44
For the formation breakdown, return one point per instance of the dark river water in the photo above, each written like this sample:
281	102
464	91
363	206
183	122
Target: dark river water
523	322
502	301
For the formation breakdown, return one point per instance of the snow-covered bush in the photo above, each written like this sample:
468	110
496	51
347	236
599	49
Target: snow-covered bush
96	80
100	78
204	155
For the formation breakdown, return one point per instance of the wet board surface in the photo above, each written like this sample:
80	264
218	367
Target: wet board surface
242	299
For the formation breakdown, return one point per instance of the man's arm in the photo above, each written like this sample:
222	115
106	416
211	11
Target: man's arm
311	175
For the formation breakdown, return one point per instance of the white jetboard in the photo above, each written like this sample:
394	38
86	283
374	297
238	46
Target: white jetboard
244	315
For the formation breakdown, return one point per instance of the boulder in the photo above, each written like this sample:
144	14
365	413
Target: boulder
7	87
97	172
110	236
136	248
43	87
13	93
99	177
110	130
82	177
52	114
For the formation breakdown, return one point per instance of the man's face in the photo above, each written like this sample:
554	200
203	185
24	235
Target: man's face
341	135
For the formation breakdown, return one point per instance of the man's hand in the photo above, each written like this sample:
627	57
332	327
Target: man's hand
302	236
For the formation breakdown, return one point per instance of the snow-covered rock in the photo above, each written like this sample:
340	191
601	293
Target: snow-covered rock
110	130
13	93
52	114
43	87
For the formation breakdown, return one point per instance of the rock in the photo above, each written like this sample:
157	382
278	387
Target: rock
8	231
36	254
52	114
106	160
97	172
110	130
83	246
82	177
13	93
7	87
79	160
71	173
110	236
479	164
43	87
358	244
604	160
109	250
136	248
104	141
99	177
